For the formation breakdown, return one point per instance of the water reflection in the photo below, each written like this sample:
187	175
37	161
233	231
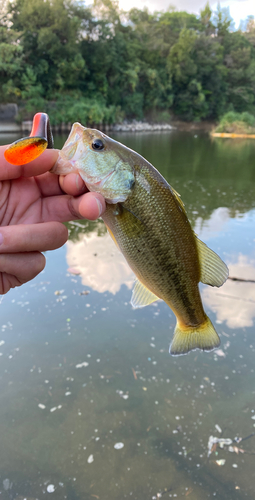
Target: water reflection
82	372
234	303
103	268
99	263
207	228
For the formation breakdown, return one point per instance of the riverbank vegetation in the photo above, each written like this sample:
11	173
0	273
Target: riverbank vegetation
101	65
236	123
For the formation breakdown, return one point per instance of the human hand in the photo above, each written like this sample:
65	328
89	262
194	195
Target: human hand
32	207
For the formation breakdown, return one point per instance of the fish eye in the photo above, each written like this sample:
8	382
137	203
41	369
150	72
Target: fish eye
97	145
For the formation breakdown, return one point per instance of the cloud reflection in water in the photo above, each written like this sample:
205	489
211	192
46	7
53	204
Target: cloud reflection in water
100	264
235	301
103	268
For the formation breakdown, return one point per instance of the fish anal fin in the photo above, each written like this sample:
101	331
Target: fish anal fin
187	339
213	271
141	296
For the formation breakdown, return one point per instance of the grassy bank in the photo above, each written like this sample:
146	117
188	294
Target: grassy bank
236	123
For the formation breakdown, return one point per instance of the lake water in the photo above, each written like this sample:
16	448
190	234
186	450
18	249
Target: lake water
81	372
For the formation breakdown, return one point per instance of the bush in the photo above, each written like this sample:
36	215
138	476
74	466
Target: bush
72	108
233	122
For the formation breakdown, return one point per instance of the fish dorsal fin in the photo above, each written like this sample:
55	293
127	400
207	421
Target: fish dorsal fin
141	296
178	198
213	271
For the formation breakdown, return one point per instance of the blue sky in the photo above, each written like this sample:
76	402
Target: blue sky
239	9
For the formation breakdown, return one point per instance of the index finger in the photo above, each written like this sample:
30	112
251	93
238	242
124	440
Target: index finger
39	166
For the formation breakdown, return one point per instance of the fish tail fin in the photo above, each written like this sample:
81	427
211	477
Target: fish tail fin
187	339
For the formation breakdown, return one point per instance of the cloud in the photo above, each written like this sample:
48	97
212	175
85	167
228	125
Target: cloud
238	12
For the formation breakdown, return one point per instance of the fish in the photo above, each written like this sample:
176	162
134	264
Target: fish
147	220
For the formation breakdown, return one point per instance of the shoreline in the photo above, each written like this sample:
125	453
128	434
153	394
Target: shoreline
228	135
126	126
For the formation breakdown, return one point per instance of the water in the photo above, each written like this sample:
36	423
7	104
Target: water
92	405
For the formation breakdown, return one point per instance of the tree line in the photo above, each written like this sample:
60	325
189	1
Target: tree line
99	64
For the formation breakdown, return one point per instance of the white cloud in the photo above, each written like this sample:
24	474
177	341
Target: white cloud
239	9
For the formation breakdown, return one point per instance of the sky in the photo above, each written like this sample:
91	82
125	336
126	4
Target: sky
239	9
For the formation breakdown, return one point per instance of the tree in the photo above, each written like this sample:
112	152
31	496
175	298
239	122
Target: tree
11	59
50	33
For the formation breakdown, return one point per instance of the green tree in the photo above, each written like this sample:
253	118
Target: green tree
50	36
11	59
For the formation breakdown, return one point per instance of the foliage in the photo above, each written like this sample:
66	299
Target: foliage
233	122
100	65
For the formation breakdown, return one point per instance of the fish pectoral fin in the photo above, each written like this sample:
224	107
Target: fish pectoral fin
213	271
187	339
141	296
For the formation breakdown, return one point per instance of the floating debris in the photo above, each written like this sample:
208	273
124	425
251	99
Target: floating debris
82	364
224	442
235	449
235	466
41	406
90	459
122	395
7	484
220	462
221	441
220	353
239	439
51	488
118	446
217	427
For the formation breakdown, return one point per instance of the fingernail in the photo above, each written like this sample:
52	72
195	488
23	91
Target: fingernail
100	207
1	239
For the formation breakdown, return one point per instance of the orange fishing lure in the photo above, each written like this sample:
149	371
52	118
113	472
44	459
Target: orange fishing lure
28	148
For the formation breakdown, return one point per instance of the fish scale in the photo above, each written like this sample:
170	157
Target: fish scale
160	263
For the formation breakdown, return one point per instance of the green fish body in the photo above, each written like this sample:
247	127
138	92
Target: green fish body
147	220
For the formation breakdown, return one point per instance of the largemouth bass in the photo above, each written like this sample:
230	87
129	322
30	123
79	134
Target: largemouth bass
147	220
